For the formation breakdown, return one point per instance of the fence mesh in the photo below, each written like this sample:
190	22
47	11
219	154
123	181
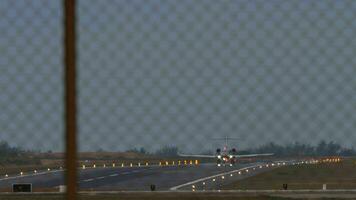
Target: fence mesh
176	73
31	92
155	73
31	73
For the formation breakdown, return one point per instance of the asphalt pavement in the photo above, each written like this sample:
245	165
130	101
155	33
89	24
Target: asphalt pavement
124	178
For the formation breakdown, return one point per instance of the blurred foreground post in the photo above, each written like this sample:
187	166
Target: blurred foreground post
285	186
70	98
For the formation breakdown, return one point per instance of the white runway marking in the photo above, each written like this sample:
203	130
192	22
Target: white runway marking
88	180
217	175
210	177
113	175
30	175
101	177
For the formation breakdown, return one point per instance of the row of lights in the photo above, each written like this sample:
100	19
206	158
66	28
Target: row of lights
328	160
185	162
331	160
320	161
114	165
161	163
165	163
247	170
196	162
34	172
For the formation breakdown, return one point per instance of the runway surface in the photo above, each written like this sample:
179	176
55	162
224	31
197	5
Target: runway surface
127	179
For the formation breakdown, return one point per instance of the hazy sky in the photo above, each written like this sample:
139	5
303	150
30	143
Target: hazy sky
181	72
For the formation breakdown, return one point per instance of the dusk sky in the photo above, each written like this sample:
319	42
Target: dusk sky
180	72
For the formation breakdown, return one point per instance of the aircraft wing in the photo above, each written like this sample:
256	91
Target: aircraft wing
254	155
199	156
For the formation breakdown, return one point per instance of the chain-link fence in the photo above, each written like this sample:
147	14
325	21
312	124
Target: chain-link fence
31	91
31	74
160	73
154	73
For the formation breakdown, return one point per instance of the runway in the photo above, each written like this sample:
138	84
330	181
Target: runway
126	178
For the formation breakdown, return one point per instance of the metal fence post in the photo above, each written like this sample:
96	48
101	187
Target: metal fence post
70	97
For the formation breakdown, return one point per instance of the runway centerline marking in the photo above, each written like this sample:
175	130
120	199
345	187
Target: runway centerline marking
101	177
88	180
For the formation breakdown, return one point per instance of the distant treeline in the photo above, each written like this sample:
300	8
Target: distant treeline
9	154
164	151
15	155
323	148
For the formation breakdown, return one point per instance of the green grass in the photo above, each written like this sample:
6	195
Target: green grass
335	175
